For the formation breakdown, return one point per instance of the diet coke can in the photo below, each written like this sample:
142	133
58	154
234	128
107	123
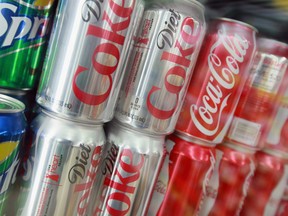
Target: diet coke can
128	172
229	183
160	65
88	47
267	185
66	157
261	94
183	178
222	69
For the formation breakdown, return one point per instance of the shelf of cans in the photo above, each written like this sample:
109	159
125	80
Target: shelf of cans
142	108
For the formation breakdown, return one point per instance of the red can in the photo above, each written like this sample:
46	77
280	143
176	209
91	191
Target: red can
182	180
283	206
218	79
260	97
267	185
277	138
229	183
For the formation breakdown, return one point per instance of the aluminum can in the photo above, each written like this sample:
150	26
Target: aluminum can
267	185
129	168
260	98
65	158
25	29
220	74
283	205
229	183
160	65
277	137
12	130
82	73
184	176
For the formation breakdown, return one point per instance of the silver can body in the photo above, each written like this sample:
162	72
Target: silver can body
82	72
160	66
66	156
129	169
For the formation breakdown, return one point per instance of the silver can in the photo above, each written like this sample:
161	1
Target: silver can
160	65
83	68
129	168
66	157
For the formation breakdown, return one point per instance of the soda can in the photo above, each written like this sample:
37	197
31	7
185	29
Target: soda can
277	137
220	74
260	98
82	73
283	205
25	30
129	168
25	96
267	185
160	65
182	182
229	183
12	130
65	158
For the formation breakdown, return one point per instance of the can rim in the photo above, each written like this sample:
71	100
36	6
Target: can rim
240	148
276	153
238	22
196	3
60	117
10	105
191	139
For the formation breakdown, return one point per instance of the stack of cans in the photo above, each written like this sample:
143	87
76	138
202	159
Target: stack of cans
201	170
24	34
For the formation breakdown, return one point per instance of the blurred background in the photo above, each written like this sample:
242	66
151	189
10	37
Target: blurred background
270	17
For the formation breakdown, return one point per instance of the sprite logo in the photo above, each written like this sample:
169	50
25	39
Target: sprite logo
8	163
21	22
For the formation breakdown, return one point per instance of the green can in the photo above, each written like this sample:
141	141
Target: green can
24	33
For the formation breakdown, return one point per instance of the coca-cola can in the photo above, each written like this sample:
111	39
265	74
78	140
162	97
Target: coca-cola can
277	137
229	183
160	65
65	156
220	74
184	176
82	73
261	95
283	205
128	172
267	185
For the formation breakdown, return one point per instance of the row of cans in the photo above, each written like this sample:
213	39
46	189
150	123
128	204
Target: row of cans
98	62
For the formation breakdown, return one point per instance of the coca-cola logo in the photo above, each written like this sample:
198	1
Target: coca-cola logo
224	71
115	19
179	56
83	178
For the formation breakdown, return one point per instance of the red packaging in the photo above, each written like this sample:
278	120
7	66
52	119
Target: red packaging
283	206
260	97
229	183
218	79
183	178
277	138
267	185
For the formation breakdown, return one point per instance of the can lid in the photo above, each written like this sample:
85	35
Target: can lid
10	105
272	46
236	21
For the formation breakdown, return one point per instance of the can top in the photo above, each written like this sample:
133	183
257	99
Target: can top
240	148
10	105
225	19
272	46
275	153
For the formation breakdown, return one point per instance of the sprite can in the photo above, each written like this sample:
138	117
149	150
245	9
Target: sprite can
12	129
24	33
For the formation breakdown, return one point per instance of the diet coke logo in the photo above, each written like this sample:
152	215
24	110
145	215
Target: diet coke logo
223	77
122	185
179	56
84	179
116	20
